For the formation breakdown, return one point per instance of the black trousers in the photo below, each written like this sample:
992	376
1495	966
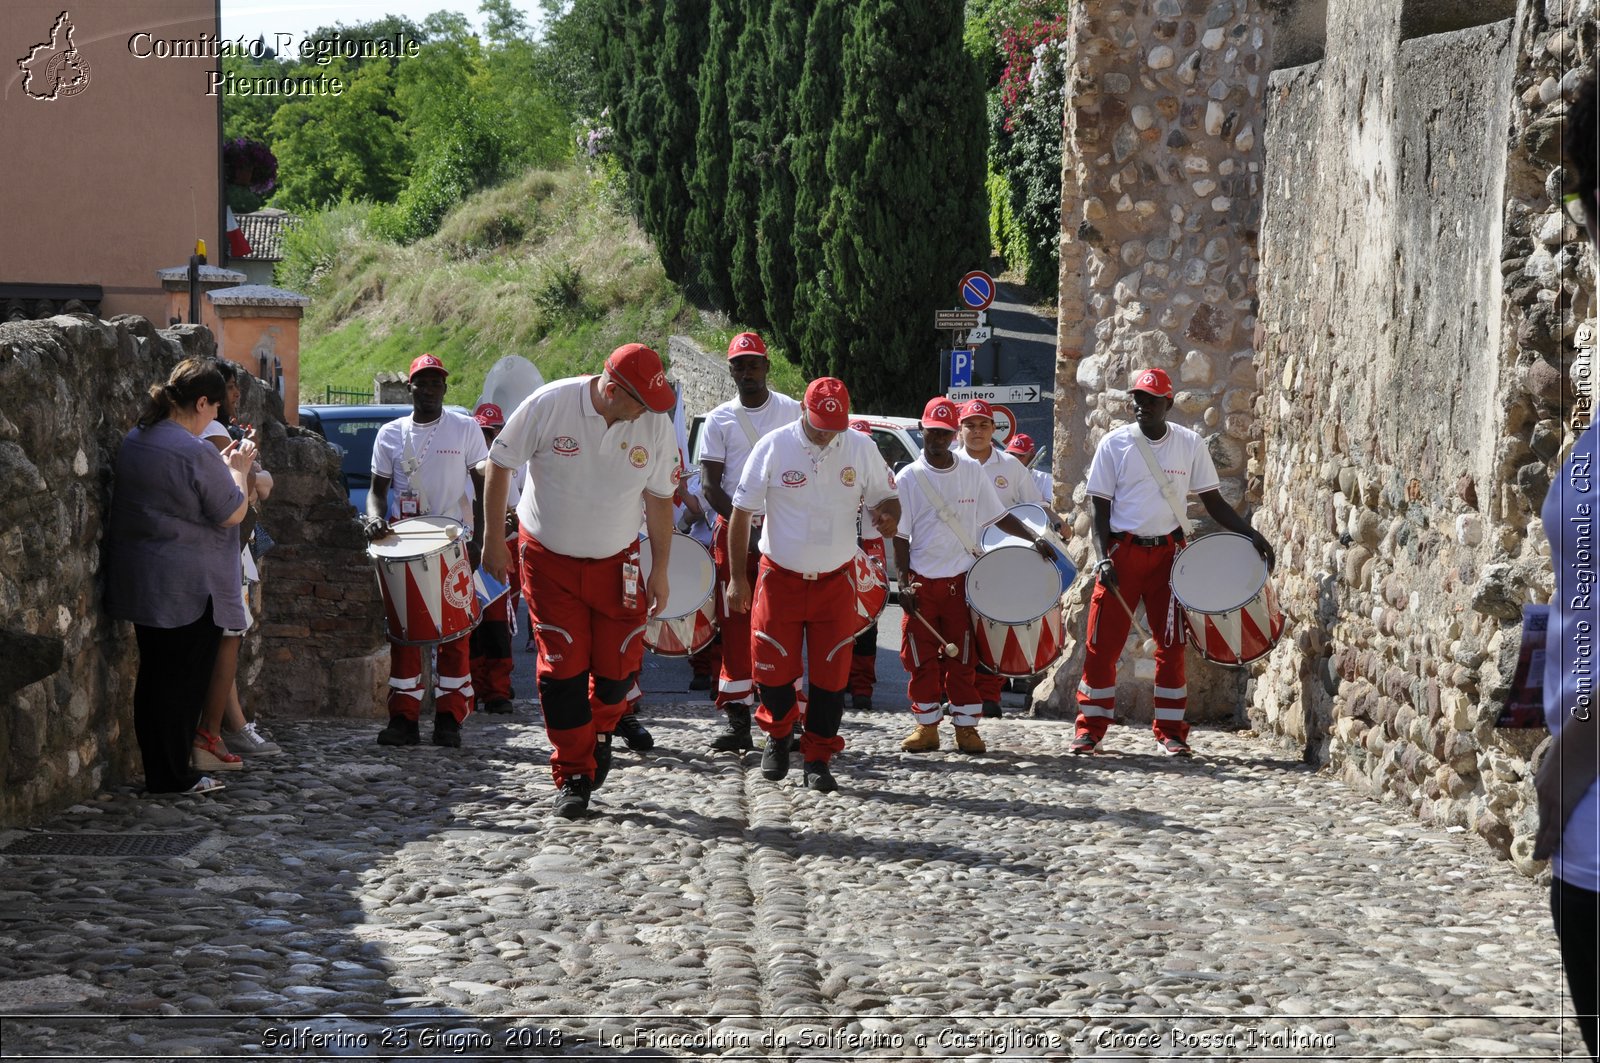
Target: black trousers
1575	911
174	671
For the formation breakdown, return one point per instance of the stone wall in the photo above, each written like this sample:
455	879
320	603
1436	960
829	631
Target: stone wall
70	387
1419	297
701	377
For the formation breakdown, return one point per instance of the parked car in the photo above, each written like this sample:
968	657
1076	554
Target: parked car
353	429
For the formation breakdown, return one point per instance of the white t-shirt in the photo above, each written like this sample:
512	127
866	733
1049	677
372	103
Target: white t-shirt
811	495
936	550
1010	478
432	460
1046	485
1119	473
586	481
727	442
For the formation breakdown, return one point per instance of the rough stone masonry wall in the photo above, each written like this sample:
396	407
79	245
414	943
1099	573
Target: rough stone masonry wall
70	387
1415	357
1162	183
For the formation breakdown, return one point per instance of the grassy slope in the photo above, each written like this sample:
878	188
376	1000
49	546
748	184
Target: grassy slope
546	266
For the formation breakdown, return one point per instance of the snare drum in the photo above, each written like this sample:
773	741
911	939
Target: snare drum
1015	598
1039	521
426	580
1221	583
687	621
871	584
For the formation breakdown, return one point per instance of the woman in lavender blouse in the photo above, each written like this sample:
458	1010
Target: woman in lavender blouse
172	563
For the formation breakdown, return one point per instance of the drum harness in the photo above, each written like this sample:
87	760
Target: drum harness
1185	525
943	510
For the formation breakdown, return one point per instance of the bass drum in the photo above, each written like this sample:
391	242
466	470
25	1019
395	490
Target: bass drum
1221	583
1015	598
688	621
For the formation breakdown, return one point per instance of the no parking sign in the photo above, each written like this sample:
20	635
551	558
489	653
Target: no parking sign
1005	422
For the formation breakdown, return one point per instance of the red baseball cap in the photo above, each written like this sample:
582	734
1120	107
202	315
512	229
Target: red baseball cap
861	426
1020	445
976	408
1154	381
828	404
426	361
940	413
488	415
638	369
746	343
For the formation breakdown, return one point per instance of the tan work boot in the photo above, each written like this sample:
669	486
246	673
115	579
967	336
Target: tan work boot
968	740
924	739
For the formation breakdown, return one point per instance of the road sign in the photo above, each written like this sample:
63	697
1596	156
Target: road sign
961	367
1003	393
955	319
1005	422
979	336
977	290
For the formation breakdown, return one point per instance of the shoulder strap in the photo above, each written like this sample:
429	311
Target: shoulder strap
744	422
1168	492
937	501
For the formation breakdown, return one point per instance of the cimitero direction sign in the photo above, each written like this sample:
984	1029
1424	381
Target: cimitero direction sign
977	290
959	320
1001	393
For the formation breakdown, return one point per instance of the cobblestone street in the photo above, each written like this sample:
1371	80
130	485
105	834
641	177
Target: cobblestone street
347	899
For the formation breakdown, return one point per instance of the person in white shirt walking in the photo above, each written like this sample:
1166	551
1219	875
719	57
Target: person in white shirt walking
731	433
810	479
1014	487
946	499
864	654
1022	447
594	448
430	459
1137	535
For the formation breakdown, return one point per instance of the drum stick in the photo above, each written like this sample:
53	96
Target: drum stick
949	649
1134	620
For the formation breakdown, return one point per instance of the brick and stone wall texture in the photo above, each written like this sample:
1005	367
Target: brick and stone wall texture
70	388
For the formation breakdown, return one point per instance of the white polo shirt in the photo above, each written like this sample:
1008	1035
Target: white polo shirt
431	460
1119	474
811	495
1010	478
1046	485
586	480
726	440
936	551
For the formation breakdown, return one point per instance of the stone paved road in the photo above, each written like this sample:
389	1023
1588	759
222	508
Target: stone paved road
1016	905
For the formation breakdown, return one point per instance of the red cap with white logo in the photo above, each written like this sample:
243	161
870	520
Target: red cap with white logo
488	415
638	369
940	413
977	408
426	361
828	404
1021	445
746	343
1154	381
861	426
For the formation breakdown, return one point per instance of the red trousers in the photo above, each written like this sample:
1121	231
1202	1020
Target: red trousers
582	625
491	643
864	657
735	684
452	686
1144	574
791	609
935	677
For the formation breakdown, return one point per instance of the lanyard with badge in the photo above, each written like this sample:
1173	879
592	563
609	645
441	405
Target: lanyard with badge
413	502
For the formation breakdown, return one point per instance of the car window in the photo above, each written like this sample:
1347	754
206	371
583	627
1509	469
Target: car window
892	447
354	440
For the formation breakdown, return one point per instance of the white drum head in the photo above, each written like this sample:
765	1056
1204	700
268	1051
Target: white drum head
416	537
691	576
1218	573
1013	585
1033	516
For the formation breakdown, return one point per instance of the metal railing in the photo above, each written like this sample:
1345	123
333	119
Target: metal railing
345	397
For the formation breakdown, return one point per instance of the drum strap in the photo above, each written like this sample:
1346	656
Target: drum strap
744	423
936	500
1169	492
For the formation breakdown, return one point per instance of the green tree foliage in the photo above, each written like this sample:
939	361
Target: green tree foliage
571	52
249	116
676	117
713	153
906	215
816	105
332	148
785	45
750	158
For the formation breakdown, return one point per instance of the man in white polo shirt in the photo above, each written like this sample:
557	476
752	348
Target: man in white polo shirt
1137	535
594	446
810	479
430	458
1014	487
946	499
731	433
1022	447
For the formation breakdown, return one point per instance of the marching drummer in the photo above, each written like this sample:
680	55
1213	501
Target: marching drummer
1014	487
492	663
594	447
946	498
429	459
731	433
1139	479
810	479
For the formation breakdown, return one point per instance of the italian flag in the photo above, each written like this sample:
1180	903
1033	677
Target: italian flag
238	246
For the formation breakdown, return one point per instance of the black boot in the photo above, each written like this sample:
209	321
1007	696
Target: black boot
602	759
735	738
400	732
634	733
775	758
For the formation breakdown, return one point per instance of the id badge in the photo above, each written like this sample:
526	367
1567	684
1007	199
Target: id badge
410	504
630	585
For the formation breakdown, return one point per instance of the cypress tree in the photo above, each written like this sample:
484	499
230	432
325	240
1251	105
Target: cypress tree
816	105
630	33
786	52
749	158
907	212
713	151
665	200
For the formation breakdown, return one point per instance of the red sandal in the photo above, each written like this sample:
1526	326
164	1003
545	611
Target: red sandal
210	754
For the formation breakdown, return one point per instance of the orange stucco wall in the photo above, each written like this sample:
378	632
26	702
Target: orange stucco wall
110	184
244	339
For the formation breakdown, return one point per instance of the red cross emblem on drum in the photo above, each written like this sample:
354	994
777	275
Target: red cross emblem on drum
458	584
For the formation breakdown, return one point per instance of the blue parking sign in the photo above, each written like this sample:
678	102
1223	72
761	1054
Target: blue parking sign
961	367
